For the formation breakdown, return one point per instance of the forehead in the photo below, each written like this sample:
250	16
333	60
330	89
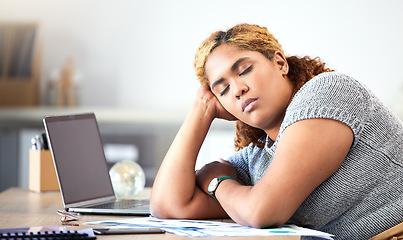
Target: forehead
224	53
220	61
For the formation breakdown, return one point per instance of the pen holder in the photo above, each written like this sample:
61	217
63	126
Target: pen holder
42	175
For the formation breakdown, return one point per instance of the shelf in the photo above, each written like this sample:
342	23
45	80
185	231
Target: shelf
32	116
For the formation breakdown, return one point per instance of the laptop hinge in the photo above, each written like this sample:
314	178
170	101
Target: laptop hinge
91	202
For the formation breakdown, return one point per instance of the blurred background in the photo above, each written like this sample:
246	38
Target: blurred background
131	62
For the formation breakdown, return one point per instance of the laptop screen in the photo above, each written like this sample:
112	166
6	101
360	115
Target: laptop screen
79	157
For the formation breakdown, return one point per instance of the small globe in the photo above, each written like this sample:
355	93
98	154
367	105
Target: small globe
128	178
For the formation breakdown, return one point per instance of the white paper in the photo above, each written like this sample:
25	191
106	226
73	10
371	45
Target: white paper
199	228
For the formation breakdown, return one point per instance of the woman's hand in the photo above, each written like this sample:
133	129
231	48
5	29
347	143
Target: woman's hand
212	170
212	103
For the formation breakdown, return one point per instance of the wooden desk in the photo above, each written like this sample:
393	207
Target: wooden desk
24	208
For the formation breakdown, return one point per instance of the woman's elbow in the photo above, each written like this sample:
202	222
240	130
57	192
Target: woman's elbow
159	209
160	205
265	219
164	210
263	223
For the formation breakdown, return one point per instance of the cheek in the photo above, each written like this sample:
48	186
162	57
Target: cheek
230	106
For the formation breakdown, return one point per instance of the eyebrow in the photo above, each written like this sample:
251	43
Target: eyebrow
233	68
217	82
235	65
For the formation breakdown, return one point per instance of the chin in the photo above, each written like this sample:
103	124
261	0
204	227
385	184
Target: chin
260	124
253	124
256	119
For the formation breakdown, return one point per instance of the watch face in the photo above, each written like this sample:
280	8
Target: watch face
213	184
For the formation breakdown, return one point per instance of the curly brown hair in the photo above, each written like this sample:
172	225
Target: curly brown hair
255	38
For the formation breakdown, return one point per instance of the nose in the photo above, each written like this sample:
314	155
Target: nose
239	89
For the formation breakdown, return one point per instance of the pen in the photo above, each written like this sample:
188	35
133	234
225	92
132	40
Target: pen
70	224
68	216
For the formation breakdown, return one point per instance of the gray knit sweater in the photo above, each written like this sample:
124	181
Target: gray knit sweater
365	195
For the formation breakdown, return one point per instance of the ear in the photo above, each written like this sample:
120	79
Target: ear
281	61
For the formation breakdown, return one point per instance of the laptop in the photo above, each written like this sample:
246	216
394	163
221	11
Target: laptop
81	167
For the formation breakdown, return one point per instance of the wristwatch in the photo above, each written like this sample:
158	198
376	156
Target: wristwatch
212	187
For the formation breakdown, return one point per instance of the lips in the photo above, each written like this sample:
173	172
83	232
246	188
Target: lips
248	104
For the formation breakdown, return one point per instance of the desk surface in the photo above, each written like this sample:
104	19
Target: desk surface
24	208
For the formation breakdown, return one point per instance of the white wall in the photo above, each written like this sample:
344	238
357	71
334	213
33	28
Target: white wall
140	53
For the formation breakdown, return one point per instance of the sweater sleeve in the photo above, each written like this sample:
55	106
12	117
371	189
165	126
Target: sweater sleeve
333	96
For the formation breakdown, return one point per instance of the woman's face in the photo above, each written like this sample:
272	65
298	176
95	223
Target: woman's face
251	87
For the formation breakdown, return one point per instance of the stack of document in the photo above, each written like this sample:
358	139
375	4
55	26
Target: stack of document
198	228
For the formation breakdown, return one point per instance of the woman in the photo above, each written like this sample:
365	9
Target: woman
316	148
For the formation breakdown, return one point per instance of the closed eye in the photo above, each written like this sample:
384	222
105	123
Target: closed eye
246	71
224	91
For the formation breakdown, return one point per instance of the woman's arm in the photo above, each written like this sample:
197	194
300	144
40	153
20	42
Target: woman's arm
308	152
175	194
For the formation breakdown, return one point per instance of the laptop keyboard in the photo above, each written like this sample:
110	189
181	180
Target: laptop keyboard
123	204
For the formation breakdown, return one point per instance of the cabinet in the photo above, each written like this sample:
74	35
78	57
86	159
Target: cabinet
8	158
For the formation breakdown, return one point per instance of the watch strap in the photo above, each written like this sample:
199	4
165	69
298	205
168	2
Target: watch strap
219	180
